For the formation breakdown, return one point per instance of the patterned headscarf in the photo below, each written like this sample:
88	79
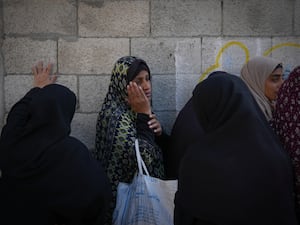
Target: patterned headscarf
116	131
286	121
255	72
115	112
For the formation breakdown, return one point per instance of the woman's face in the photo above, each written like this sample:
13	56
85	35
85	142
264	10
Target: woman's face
143	80
273	83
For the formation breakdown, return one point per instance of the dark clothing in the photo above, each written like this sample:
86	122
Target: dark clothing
185	131
48	177
237	172
286	124
118	127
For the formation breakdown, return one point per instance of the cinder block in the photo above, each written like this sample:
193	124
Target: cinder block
1	23
114	18
83	127
166	119
20	54
257	17
70	82
287	50
15	87
230	54
90	55
188	56
297	18
169	55
185	18
92	91
185	84
163	89
40	16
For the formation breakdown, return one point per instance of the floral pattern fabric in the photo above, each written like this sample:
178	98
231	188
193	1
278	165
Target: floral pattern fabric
286	122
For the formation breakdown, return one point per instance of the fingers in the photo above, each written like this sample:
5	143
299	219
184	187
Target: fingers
42	75
34	70
40	67
134	89
137	99
53	78
48	68
154	124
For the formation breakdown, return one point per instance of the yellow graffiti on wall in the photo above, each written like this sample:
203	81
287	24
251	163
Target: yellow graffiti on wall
286	44
247	55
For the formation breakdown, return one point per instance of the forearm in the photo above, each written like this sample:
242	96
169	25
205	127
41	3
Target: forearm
143	130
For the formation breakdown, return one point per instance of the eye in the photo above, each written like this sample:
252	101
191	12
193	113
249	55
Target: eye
276	78
138	81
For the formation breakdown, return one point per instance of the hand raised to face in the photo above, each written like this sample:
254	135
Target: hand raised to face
137	99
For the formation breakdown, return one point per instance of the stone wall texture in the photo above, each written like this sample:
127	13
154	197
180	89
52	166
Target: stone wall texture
182	41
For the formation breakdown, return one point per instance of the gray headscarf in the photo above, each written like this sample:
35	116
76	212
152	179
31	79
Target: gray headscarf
254	73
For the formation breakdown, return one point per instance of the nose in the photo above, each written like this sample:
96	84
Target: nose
281	81
145	84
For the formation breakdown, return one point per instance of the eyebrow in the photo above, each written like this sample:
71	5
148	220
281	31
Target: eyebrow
276	75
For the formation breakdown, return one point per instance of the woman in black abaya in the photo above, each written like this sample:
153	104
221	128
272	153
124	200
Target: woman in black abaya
47	176
236	173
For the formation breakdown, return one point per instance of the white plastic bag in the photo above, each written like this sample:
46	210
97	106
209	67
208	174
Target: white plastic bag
146	201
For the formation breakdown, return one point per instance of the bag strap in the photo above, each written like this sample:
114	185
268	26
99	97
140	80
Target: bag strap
140	162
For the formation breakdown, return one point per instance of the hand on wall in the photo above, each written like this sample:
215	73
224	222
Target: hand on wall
42	75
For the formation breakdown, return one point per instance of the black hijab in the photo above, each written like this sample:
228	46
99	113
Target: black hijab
236	173
137	66
48	176
38	121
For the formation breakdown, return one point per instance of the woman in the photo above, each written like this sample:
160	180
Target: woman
184	132
263	76
236	172
126	115
286	123
48	177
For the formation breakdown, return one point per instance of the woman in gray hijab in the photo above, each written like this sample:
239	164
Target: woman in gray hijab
263	76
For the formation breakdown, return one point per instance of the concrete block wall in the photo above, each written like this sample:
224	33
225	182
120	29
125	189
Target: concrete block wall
182	41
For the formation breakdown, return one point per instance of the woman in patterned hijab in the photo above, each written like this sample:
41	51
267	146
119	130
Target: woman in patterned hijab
286	123
263	76
126	115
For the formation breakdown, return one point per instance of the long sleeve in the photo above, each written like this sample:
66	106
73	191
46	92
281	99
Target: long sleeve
143	130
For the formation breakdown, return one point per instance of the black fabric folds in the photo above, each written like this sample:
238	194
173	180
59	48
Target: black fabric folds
236	173
48	177
185	131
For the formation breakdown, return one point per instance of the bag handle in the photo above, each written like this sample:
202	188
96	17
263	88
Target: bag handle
140	162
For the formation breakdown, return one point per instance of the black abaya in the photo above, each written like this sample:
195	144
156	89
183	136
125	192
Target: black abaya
236	173
48	177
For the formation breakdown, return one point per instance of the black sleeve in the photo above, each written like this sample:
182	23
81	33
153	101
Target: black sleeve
142	127
163	141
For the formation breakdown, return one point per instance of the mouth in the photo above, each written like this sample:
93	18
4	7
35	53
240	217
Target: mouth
148	95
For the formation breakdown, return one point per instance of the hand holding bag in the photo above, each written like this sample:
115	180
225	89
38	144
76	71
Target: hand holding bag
147	200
